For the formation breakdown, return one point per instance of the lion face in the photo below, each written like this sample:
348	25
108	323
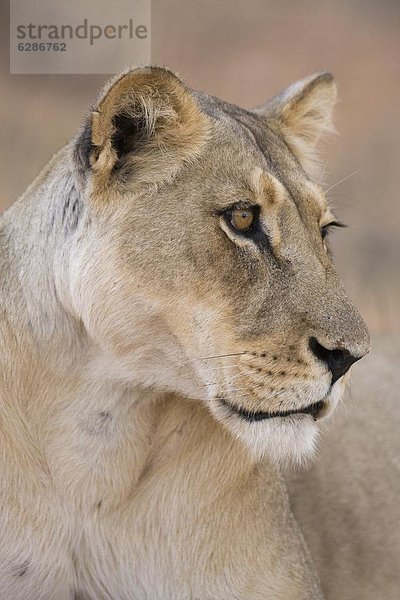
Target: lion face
205	271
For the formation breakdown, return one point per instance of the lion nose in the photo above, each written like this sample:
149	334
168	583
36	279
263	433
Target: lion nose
338	360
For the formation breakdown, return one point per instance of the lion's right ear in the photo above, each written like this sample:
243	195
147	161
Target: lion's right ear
144	126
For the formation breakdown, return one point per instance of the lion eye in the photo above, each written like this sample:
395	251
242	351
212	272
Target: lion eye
241	219
325	228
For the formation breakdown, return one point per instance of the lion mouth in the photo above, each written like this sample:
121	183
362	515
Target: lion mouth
312	409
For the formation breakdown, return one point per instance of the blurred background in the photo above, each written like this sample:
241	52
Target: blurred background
245	51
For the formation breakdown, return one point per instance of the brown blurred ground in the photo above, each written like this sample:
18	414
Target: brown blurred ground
244	51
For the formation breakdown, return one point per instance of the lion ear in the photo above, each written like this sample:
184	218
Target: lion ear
145	124
303	113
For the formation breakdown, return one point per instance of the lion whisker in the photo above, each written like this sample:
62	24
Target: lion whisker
332	187
212	357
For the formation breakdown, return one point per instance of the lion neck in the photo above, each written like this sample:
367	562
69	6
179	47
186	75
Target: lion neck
48	376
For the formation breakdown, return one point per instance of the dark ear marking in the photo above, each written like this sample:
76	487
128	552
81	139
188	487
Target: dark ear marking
129	132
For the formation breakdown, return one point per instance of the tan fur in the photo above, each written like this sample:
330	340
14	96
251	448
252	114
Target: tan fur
128	309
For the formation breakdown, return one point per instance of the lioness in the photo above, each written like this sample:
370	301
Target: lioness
172	329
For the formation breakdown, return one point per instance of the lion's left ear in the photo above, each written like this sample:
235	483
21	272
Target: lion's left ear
144	126
303	113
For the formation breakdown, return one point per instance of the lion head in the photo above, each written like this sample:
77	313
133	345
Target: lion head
200	264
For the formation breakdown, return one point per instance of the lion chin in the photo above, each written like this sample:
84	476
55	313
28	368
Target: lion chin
286	438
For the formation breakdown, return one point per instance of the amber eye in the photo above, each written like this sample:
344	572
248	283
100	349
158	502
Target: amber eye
325	228
242	219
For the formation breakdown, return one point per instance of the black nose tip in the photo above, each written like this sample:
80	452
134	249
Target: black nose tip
338	360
